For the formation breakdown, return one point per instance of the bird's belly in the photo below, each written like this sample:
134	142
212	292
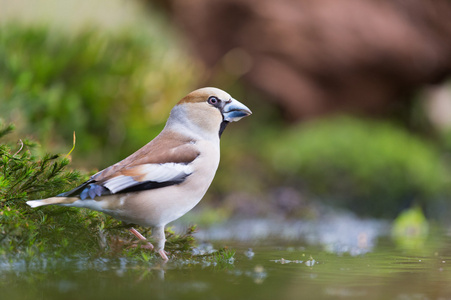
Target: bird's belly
156	207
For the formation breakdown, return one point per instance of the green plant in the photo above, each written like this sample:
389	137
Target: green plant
57	231
114	89
223	257
371	167
25	176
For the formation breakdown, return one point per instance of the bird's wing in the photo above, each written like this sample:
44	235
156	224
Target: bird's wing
148	176
163	162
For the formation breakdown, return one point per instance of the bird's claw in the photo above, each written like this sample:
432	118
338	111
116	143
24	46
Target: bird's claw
164	255
147	245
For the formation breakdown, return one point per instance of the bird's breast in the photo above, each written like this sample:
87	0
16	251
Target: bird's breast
160	206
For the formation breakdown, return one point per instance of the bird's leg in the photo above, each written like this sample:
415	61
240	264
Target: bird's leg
141	237
158	234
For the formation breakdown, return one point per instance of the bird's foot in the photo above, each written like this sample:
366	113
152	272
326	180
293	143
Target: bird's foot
164	255
147	245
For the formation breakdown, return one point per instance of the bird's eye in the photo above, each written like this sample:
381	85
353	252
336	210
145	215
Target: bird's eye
213	100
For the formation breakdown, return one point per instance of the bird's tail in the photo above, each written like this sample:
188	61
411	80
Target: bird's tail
53	200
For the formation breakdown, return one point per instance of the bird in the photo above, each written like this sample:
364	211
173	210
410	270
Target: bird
168	176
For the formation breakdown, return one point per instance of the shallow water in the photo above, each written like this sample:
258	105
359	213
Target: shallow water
273	269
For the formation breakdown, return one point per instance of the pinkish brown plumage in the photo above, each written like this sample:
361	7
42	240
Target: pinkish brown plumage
167	177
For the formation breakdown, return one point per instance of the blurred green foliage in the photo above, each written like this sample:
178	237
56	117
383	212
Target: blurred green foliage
374	168
410	229
114	90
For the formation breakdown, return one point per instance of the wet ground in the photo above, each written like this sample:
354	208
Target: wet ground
339	257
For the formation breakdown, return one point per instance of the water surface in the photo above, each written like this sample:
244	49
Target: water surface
272	269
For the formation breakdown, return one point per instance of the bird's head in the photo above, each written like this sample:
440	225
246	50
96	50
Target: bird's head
211	109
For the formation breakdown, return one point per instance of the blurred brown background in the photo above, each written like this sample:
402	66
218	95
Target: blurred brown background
321	56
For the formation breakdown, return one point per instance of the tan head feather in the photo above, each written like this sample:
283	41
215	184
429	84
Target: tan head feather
201	95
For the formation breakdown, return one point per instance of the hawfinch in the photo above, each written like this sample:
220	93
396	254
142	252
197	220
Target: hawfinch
167	177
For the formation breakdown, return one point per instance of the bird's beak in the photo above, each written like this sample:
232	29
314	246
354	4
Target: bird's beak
234	110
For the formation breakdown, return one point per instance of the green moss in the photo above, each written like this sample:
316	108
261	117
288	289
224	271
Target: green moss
24	176
59	231
373	168
223	257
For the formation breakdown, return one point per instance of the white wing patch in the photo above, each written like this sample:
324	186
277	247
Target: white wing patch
148	172
164	172
120	183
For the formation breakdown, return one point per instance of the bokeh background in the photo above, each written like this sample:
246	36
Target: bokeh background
351	99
